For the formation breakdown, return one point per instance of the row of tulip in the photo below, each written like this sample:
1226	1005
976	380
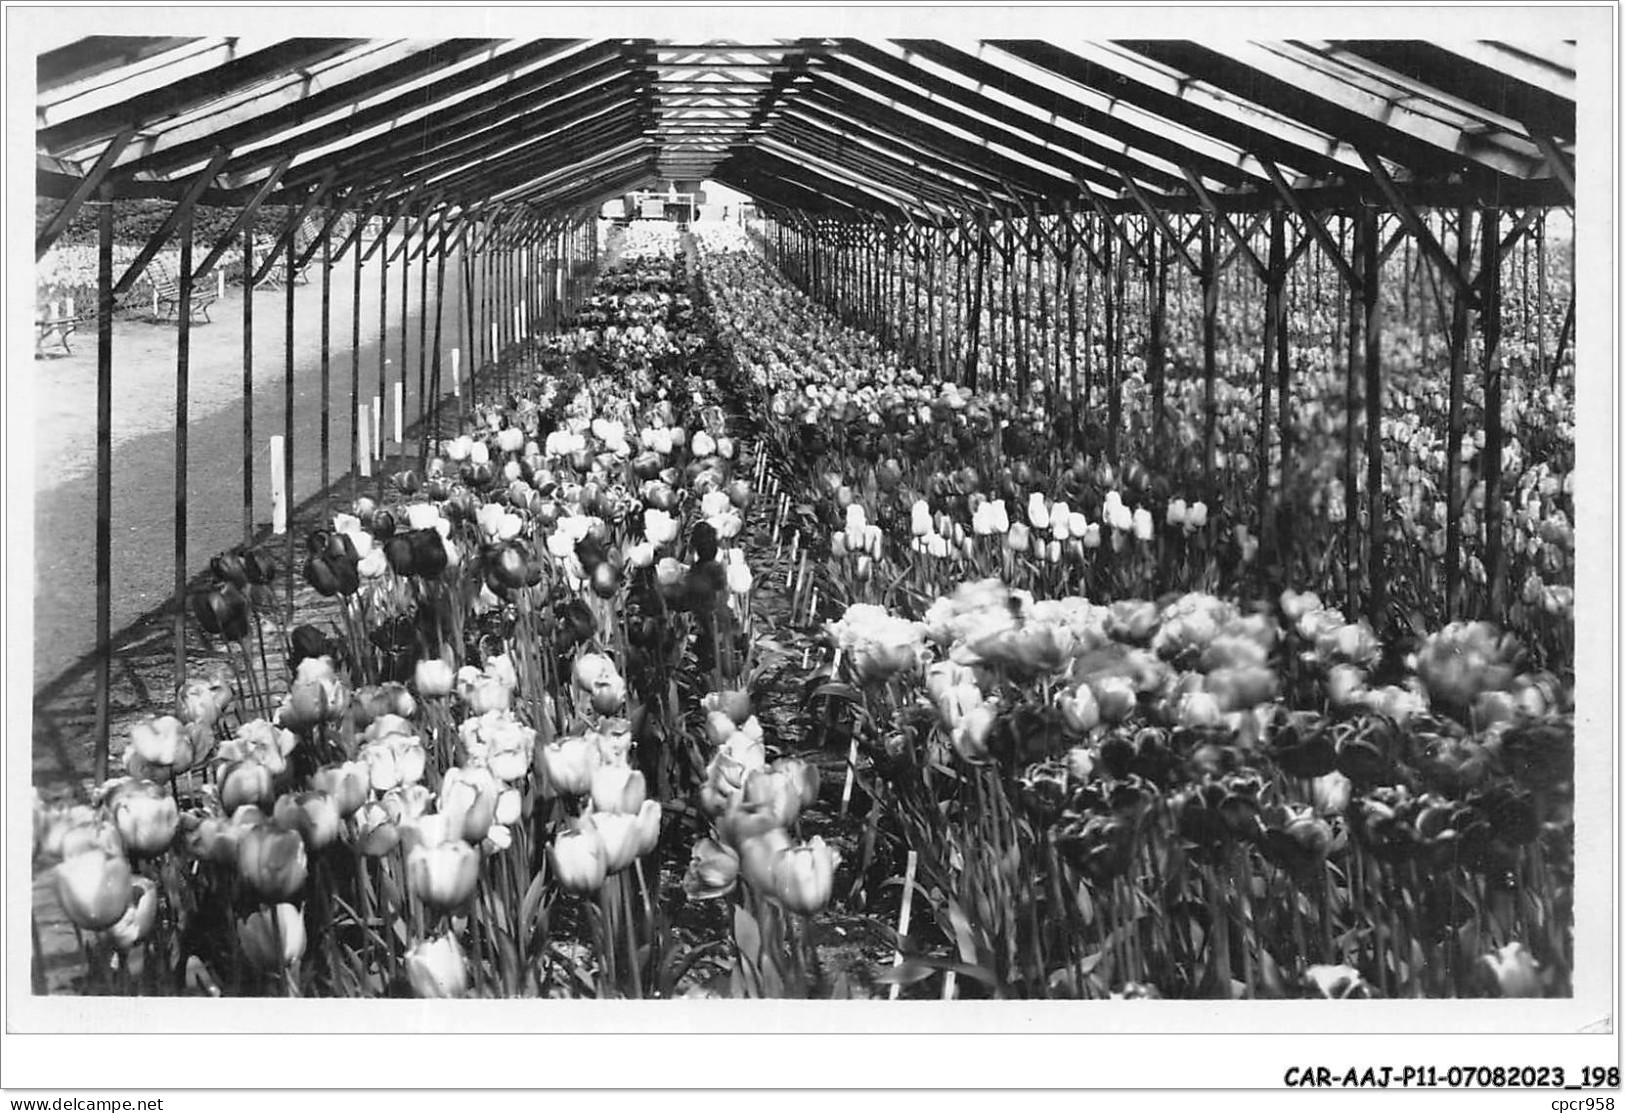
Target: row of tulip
464	784
1276	777
535	690
1168	448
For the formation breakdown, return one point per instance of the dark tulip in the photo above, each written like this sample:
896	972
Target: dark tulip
437	489
319	575
340	549
577	620
308	641
1509	812
646	465
535	570
428	552
1117	755
1240	814
407	481
506	565
260	566
459	506
1043	791
383	525
205	607
1540	753
316	541
1361	758
1387	833
590	552
223	610
1302	747
229	568
605	580
1200	819
400	554
704	541
347	575
705	582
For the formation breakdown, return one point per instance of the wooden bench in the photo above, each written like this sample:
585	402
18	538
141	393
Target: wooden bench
55	326
167	294
277	275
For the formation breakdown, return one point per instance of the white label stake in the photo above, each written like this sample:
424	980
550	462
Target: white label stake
363	450
903	915
377	427
456	373
279	487
400	411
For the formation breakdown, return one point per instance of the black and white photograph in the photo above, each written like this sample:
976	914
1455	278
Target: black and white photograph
832	520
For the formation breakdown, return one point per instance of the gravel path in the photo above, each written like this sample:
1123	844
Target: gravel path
64	428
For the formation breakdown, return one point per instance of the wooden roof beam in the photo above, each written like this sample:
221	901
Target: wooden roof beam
165	70
291	228
958	183
1556	161
328	222
156	241
1155	216
1294	66
1224	222
835	173
445	131
1314	227
244	215
992	139
472	82
395	213
89	184
910	138
461	149
1417	228
1035	126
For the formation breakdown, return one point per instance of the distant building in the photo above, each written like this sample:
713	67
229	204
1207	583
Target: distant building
681	206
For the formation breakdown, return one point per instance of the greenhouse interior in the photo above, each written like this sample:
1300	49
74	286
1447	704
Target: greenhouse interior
819	518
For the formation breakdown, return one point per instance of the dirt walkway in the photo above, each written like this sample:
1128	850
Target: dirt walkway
64	429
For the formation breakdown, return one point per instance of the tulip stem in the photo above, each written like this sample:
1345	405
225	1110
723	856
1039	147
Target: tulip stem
287	659
622	897
606	943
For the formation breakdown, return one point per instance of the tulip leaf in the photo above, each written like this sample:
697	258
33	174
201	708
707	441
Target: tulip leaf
508	962
530	904
747	934
908	972
963	934
904	973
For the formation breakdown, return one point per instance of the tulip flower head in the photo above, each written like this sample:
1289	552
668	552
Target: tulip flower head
146	816
437	968
803	876
140	918
578	859
314	814
164	741
442	874
273	939
271	860
94	888
713	870
1512	971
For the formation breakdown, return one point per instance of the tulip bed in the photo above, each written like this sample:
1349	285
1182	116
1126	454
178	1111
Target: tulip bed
727	623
